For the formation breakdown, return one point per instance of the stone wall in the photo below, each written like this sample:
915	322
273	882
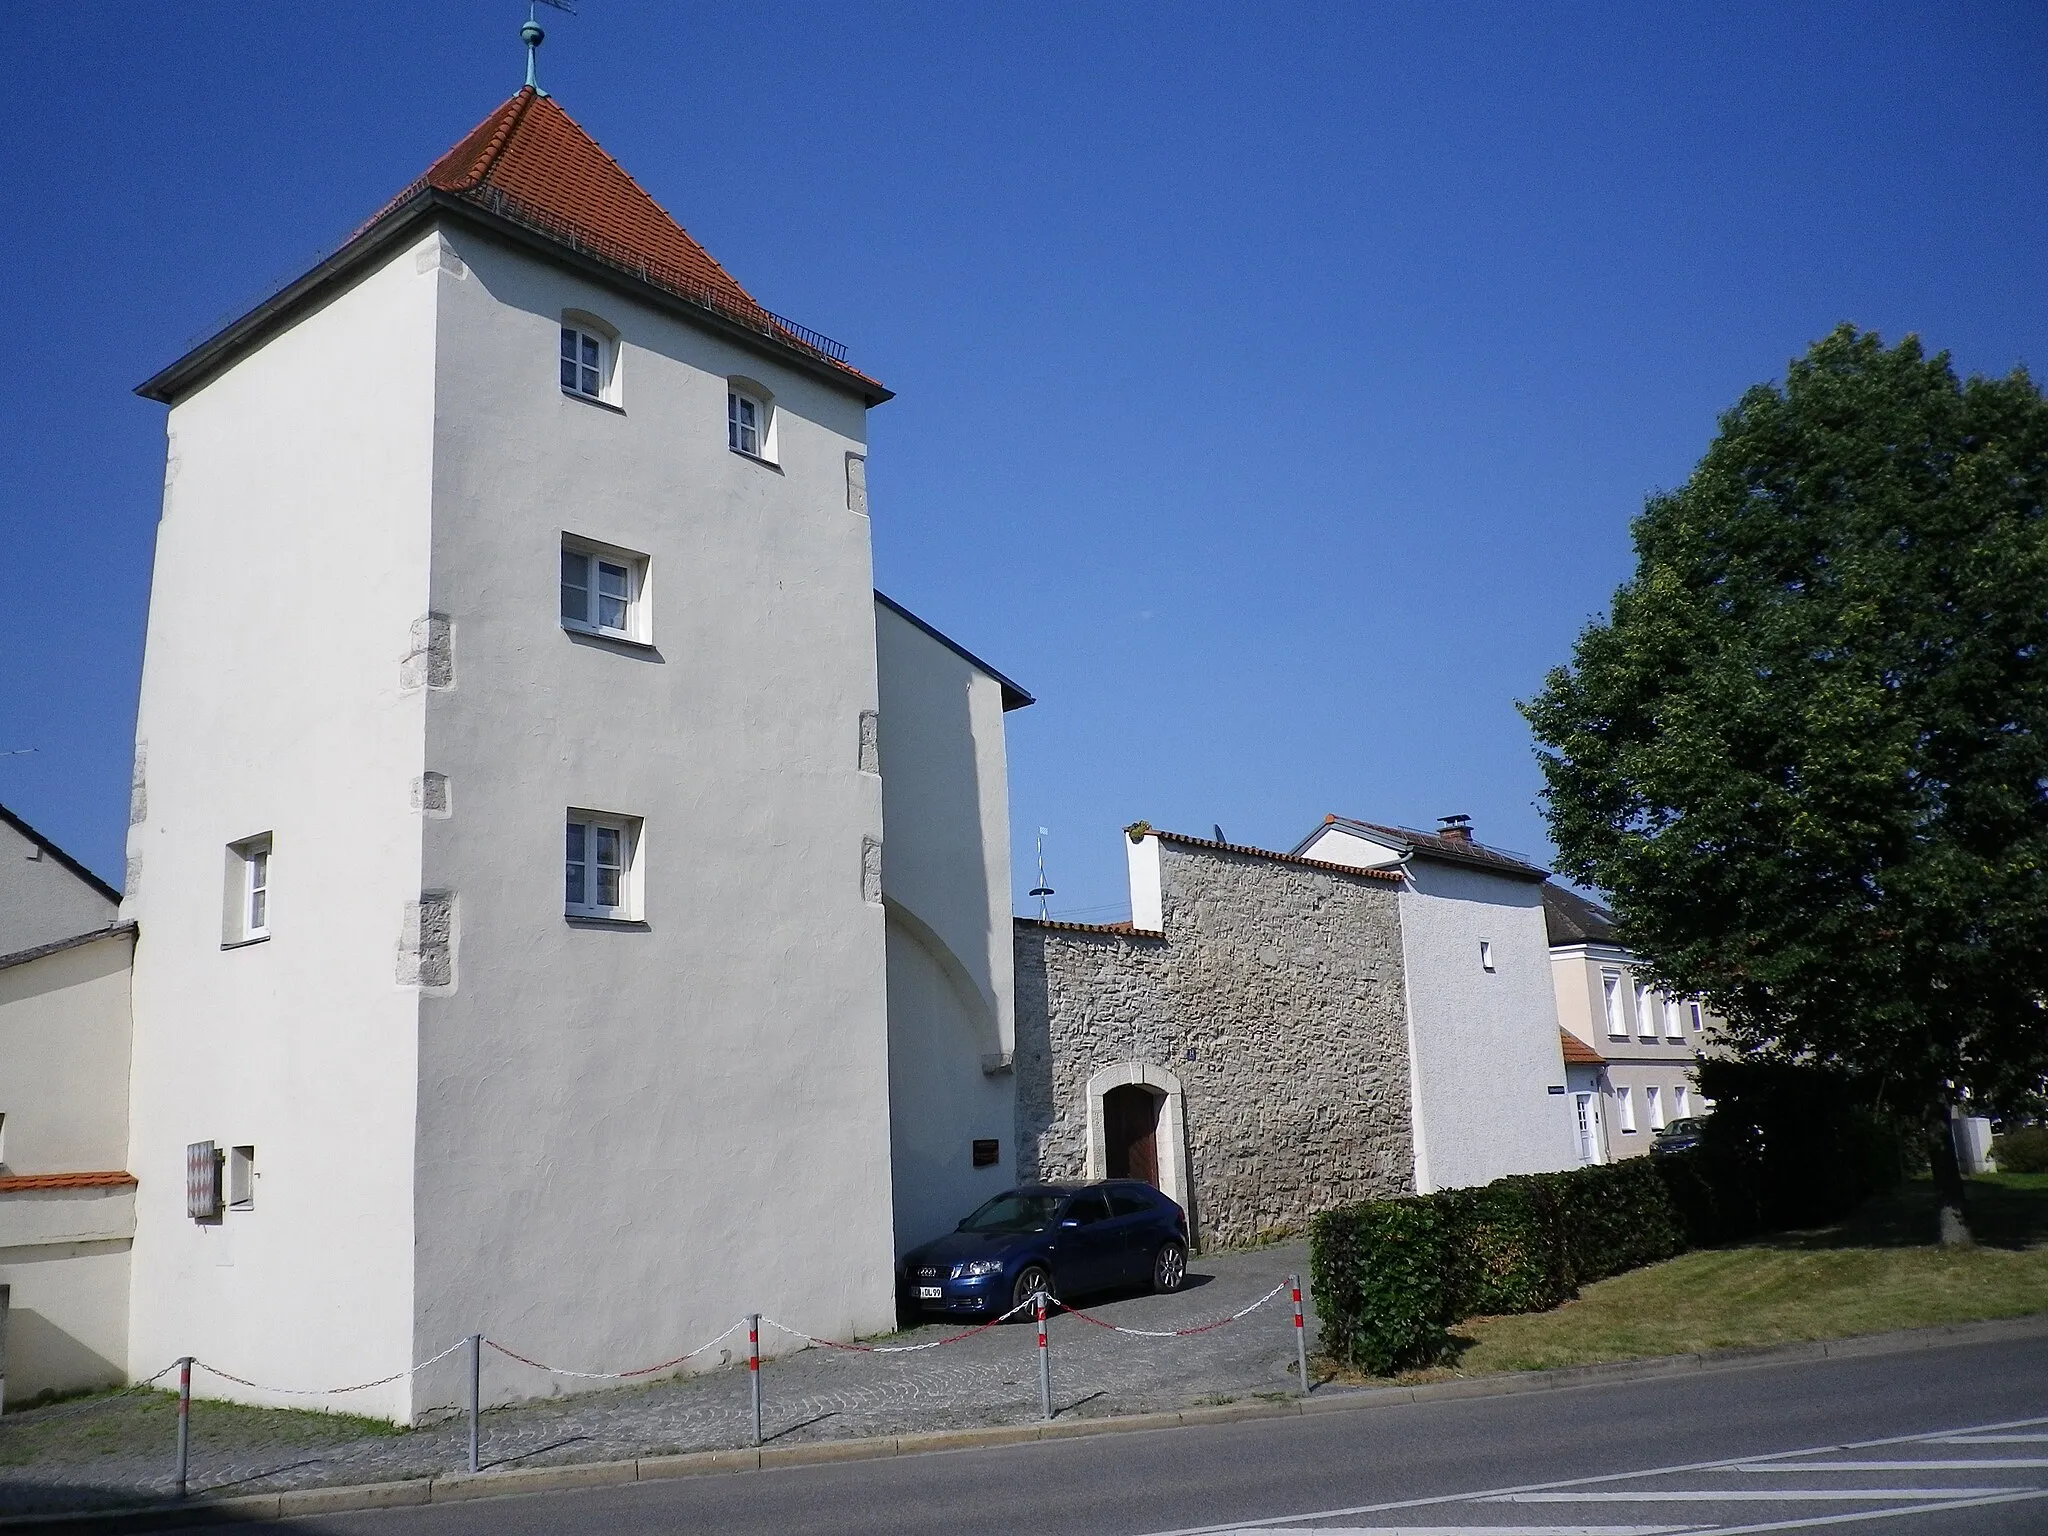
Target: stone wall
1275	997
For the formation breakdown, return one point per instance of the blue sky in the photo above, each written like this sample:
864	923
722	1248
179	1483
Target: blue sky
1275	383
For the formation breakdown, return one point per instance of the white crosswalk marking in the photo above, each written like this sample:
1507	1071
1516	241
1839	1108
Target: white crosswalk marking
1747	1495
1995	1464
1706	1520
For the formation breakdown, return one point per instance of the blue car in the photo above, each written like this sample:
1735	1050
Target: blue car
1063	1239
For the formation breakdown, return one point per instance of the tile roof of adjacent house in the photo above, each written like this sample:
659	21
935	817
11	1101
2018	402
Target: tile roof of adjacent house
1279	858
55	946
1577	1053
1124	930
1571	919
530	167
111	1179
59	855
1432	845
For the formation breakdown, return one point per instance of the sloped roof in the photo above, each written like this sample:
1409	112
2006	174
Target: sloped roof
59	855
1577	1053
1571	919
112	1178
115	930
1014	696
1278	858
531	166
1430	845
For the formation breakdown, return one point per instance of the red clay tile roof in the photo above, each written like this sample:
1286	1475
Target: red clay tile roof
1577	1053
532	165
1392	875
1123	930
110	1180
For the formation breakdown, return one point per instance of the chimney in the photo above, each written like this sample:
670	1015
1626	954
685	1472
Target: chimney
1455	829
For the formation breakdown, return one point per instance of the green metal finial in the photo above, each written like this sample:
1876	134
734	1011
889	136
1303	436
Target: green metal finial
532	35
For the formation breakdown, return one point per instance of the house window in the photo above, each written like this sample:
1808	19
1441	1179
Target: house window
1653	1101
1486	954
1610	989
245	915
1625	1109
1646	1013
241	1178
600	867
746	421
987	1152
1694	1009
587	358
1681	1101
603	591
1674	1020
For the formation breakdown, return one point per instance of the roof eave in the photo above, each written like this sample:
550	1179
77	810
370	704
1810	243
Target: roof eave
1014	696
405	218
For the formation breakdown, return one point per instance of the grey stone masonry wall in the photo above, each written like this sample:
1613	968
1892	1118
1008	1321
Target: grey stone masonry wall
1275	997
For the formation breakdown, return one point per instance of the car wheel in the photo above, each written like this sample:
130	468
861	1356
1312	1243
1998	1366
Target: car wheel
1031	1279
1169	1268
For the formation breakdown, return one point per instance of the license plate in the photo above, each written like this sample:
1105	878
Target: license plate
929	1293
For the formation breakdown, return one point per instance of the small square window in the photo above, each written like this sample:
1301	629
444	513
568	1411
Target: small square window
987	1152
603	591
1486	954
587	364
746	424
241	1178
601	867
245	914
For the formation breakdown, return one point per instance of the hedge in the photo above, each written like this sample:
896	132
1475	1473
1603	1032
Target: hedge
1784	1148
2022	1151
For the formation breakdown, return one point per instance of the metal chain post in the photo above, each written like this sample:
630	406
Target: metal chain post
1300	1334
1044	1362
754	1367
184	1421
476	1382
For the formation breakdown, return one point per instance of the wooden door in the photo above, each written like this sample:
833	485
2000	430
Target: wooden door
1130	1133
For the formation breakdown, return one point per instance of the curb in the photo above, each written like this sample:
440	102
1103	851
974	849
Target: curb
449	1488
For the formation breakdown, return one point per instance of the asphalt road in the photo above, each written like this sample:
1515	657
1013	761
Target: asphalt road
1955	1438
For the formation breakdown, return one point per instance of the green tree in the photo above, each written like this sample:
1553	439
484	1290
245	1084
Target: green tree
1807	753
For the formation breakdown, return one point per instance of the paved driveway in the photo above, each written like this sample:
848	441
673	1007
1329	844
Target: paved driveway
69	1457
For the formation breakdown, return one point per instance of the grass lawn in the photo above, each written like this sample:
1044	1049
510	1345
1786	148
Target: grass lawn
1876	1272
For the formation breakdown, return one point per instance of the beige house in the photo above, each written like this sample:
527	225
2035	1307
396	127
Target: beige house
1630	1052
67	1203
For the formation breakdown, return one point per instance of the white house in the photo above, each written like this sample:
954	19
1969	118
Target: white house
1488	1068
67	1201
518	936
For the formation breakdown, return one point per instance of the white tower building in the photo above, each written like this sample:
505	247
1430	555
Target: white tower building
507	849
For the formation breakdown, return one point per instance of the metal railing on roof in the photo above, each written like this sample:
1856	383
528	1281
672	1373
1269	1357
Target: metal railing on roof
669	279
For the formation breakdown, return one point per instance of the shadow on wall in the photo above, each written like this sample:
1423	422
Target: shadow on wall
39	1360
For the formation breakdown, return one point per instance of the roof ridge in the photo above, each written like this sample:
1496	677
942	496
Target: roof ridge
493	147
1274	853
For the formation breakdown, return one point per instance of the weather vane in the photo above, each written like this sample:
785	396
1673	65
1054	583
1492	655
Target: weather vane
1042	890
533	36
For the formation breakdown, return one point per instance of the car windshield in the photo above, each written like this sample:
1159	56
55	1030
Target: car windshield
1013	1213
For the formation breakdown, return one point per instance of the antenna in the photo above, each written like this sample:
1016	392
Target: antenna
1042	890
533	36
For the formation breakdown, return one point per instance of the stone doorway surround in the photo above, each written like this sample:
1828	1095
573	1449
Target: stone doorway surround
1171	1138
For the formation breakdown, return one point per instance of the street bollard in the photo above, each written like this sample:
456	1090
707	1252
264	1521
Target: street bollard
476	1383
754	1367
1300	1334
184	1421
1044	1362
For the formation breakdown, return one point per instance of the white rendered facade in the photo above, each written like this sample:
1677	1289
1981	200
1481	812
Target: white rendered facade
1486	1065
596	1142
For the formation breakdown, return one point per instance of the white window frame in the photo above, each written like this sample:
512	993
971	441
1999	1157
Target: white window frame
1625	1109
1617	1018
1681	1101
1646	1013
574	373
1674	1020
1486	954
739	392
634	626
241	1178
1653	1107
1698	1024
249	899
593	824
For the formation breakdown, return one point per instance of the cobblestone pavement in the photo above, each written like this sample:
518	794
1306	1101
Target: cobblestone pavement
120	1449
